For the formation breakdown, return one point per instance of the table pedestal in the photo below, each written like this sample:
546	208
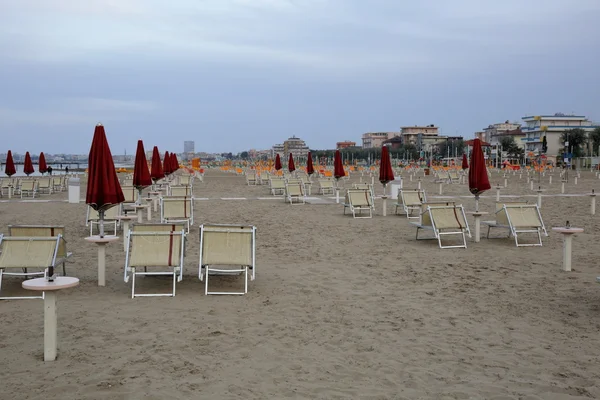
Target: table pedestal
10	192
567	244
337	196
139	209
384	198
150	201
477	215
50	326
102	242
593	205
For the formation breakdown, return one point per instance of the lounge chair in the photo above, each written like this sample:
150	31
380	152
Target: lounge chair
177	209
326	186
185	180
443	177
22	253
6	184
131	195
28	187
181	191
294	191
44	185
251	178
444	219
57	183
154	249
277	186
518	218
410	200
368	187
231	246
45	231
453	176
359	200
93	218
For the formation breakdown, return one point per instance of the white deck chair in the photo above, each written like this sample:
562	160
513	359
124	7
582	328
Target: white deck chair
443	176
177	209
22	253
326	186
181	191
295	192
231	246
57	183
154	249
367	186
45	231
444	219
519	218
251	178
44	185
410	200
131	194
277	186
359	200
28	187
453	176
185	180
93	218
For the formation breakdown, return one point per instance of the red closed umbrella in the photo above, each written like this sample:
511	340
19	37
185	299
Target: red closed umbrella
386	174
291	166
277	162
42	167
28	167
174	163
465	163
9	168
167	164
338	168
478	177
157	170
310	169
103	189
141	175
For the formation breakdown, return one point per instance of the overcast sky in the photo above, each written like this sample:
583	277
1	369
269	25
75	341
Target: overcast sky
239	74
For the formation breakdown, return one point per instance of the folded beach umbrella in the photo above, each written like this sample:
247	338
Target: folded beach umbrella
42	166
291	166
277	162
338	168
9	168
103	189
478	177
174	163
28	167
310	169
141	174
156	172
386	174
465	163
167	164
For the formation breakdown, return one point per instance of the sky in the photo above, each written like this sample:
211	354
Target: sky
239	74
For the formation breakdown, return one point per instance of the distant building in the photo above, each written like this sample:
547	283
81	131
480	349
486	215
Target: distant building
495	132
345	144
483	136
424	138
394	143
293	145
551	126
372	140
189	146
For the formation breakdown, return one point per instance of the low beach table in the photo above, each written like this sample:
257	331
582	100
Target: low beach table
150	201
139	209
50	289
125	220
102	242
477	215
567	233
154	195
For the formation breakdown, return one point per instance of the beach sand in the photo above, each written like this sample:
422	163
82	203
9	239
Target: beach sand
340	308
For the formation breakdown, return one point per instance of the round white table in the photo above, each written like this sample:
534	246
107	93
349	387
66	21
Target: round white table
154	195
125	220
101	242
477	215
567	242
50	289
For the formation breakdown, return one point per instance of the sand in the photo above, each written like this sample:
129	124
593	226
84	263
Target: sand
341	308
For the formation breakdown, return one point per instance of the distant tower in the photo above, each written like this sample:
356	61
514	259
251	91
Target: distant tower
188	146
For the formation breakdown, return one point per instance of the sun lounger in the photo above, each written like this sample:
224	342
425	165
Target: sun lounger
44	185
326	186
5	184
185	180
44	231
28	187
57	183
445	220
131	195
251	178
93	218
154	249
410	200
177	209
442	177
453	176
359	200
181	191
519	218
295	192
23	253
277	186
227	250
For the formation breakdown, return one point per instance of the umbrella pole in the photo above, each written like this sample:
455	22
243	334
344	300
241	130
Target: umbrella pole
101	222
476	203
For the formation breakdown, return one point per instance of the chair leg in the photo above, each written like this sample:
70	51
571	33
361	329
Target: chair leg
206	282
133	283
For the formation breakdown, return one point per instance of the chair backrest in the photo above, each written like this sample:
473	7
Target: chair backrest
181	191
295	189
176	207
109	215
326	183
57	180
164	249
501	214
156	227
41	231
28	184
500	204
362	186
28	252
185	180
360	197
448	217
277	183
524	216
413	197
227	245
6	183
44	183
130	193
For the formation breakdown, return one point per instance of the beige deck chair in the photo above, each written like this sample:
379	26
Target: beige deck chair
227	250
127	182
93	218
251	178
185	180
44	185
277	186
45	231
181	191
57	183
154	249
367	186
410	200
28	187
442	177
453	176
131	195
5	185
294	190
177	209
22	253
518	218
359	200
326	186
444	219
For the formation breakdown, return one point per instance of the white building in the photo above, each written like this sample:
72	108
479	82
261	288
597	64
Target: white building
372	140
552	126
495	132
